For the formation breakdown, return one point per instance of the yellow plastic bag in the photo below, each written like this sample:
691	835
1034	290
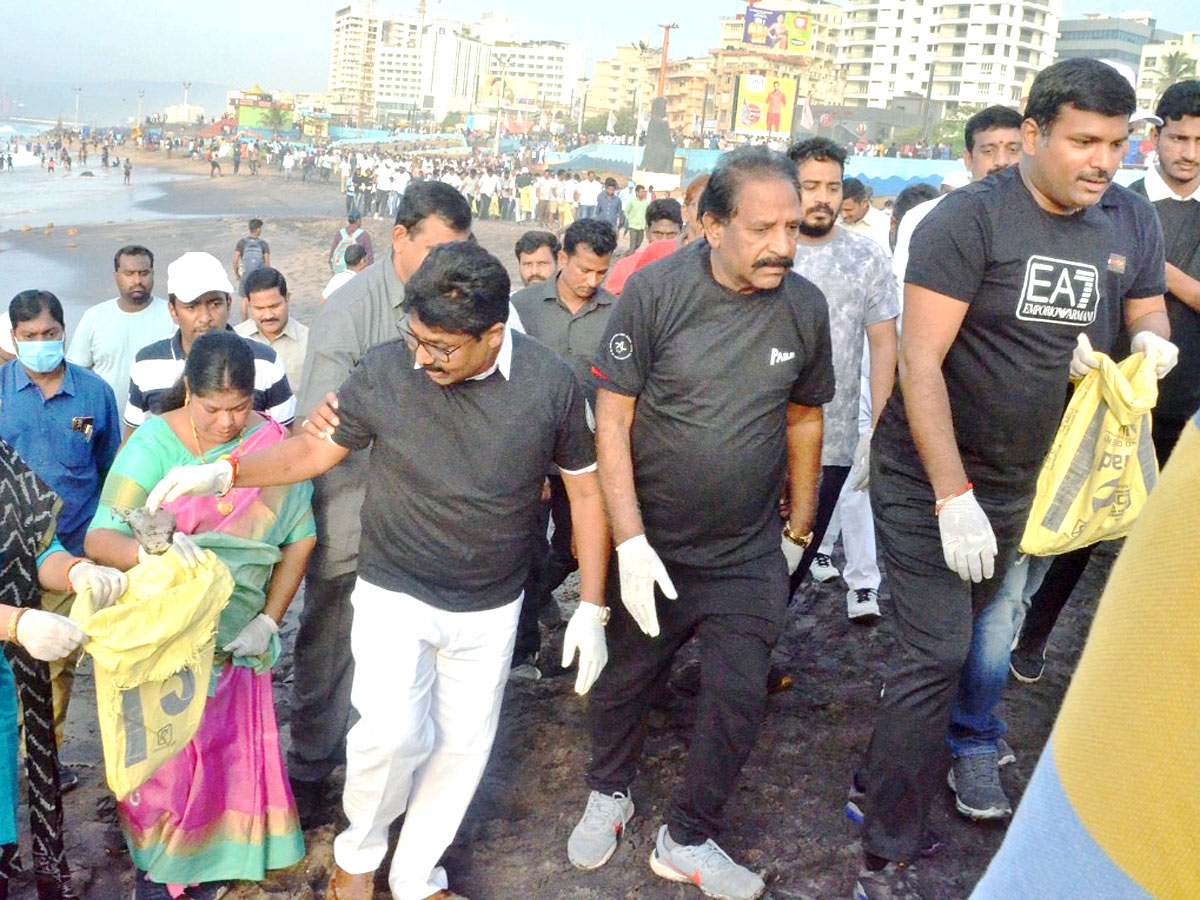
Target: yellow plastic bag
153	654
1101	465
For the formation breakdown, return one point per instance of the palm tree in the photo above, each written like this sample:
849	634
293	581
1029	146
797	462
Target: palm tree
1173	67
278	119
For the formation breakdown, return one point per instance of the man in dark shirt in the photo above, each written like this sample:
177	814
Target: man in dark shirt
446	532
711	377
1011	271
1172	185
568	313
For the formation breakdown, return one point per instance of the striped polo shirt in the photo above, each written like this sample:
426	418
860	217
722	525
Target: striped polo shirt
158	366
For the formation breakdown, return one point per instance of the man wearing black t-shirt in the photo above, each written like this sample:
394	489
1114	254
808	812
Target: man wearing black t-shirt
1011	270
463	416
711	377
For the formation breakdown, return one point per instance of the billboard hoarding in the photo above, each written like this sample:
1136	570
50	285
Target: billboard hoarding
764	106
777	31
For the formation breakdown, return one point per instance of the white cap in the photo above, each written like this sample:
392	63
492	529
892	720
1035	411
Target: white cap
196	273
6	338
956	179
1144	115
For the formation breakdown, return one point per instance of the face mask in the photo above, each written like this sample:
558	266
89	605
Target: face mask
40	356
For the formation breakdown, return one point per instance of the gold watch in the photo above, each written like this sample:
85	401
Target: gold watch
800	540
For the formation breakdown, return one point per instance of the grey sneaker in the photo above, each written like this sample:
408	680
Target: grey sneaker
525	668
594	839
975	781
862	605
895	881
1005	755
706	866
1027	666
822	569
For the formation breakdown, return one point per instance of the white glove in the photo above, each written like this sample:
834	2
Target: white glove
190	553
967	539
1083	359
48	636
106	584
183	481
640	570
253	639
792	552
860	471
1163	352
585	633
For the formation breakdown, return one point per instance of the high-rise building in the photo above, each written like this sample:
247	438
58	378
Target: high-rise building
957	53
1157	72
617	82
1118	38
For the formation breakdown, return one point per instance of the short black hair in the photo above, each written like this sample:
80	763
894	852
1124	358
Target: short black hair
263	279
665	208
28	305
819	148
530	241
131	250
746	163
460	288
987	119
911	196
354	216
597	234
854	189
1179	100
254	224
423	199
354	254
610	182
1087	84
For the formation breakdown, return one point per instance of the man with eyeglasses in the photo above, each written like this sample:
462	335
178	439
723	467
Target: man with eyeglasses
366	312
463	416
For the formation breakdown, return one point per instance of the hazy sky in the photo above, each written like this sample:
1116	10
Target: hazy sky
286	46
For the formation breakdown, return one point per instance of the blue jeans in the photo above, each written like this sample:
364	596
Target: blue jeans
587	212
974	725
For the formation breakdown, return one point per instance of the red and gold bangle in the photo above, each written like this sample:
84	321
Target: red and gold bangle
74	563
939	504
234	462
12	625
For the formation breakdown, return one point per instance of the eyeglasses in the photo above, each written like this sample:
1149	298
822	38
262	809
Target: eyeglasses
440	354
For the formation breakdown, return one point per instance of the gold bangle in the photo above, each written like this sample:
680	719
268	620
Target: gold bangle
234	464
74	563
800	540
12	625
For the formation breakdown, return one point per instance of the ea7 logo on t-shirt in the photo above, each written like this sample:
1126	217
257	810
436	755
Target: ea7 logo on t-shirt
1060	291
620	346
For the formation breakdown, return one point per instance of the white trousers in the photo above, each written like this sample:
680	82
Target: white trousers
428	686
852	516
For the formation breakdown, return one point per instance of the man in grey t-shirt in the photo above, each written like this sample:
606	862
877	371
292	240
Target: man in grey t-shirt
854	274
447	525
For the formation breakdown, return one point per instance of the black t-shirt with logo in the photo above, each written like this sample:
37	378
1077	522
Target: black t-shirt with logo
1033	280
713	372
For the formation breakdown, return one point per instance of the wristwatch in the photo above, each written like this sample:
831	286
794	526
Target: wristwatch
800	540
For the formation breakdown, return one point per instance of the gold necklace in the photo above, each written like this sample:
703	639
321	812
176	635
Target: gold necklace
225	503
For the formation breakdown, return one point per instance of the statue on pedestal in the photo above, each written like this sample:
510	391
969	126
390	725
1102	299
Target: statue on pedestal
659	154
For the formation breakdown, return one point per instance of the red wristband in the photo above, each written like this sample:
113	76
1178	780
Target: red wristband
938	504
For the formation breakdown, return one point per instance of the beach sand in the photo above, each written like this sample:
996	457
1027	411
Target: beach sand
785	817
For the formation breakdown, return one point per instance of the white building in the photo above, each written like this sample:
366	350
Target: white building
1155	65
980	53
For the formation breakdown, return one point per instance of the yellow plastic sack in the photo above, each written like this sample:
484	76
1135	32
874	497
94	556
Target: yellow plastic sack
153	654
1101	465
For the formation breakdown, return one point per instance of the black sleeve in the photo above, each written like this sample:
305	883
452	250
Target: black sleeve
625	355
356	430
1151	277
574	443
814	385
241	245
949	249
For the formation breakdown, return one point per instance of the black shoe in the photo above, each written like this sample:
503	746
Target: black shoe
895	881
1027	666
68	779
312	805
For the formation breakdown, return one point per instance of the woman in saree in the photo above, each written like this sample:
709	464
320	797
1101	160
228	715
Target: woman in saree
222	808
32	558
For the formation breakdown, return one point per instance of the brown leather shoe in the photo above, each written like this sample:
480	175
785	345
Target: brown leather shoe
445	894
344	886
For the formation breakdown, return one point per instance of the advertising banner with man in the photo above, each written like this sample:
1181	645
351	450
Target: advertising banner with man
764	105
777	31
